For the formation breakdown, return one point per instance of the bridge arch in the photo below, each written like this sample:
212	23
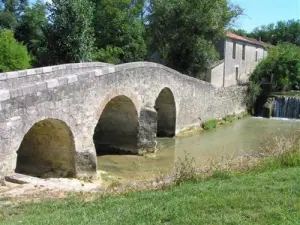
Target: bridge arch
47	150
117	127
166	113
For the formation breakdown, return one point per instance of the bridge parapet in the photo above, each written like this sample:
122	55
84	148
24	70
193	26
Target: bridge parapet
15	79
94	70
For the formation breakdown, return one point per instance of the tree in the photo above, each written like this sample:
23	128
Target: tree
184	32
30	30
281	68
282	31
10	12
69	33
120	29
240	32
14	55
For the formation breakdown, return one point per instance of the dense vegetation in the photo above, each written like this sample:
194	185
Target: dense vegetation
13	55
178	33
281	68
275	33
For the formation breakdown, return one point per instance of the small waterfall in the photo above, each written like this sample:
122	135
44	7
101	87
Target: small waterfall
287	107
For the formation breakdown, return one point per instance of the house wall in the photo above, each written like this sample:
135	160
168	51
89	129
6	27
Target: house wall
216	75
245	67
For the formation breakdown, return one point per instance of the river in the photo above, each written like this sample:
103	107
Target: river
240	137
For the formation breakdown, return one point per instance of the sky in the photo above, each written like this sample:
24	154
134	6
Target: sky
263	12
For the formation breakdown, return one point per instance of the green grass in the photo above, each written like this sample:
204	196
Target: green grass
210	124
270	197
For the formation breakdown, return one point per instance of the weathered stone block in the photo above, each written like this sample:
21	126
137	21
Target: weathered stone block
98	73
72	79
11	75
22	73
29	89
4	95
41	86
62	81
52	83
86	162
14	93
47	69
3	76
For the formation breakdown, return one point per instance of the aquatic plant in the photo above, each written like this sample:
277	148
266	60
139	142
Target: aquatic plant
210	124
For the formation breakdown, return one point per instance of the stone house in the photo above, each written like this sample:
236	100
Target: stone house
238	58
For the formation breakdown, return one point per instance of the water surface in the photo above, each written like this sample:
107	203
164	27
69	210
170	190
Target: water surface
240	137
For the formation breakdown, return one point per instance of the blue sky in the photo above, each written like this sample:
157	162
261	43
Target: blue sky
263	12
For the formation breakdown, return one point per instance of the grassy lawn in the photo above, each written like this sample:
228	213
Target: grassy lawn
253	198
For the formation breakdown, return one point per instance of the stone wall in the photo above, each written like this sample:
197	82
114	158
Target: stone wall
80	99
16	79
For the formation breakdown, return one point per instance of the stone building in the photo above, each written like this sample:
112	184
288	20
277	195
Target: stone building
238	58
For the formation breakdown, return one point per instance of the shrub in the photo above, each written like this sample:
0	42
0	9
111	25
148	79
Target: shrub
281	67
14	55
210	124
253	92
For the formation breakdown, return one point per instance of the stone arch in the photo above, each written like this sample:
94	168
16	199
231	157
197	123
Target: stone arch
166	113
47	150
117	128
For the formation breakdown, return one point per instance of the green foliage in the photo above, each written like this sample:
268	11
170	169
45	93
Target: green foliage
264	198
118	24
10	12
210	124
184	32
240	32
14	55
281	67
229	119
283	31
287	159
253	92
110	54
30	31
69	33
7	20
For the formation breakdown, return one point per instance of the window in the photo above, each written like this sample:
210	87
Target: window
237	73
256	55
234	50
244	52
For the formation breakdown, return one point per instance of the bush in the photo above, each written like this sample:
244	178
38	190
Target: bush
14	55
281	67
253	92
210	124
109	54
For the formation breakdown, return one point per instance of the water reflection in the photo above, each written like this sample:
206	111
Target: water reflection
242	136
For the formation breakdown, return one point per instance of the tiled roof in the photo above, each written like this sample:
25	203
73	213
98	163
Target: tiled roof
246	39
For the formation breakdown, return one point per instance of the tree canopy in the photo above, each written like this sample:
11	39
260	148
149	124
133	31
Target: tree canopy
184	32
281	68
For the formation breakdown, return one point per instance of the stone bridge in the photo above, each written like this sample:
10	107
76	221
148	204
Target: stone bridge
55	120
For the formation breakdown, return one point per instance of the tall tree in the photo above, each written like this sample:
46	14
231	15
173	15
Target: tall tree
30	30
120	29
10	12
184	32
282	31
69	33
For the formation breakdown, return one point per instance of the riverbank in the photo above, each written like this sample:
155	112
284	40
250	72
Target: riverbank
271	197
254	189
